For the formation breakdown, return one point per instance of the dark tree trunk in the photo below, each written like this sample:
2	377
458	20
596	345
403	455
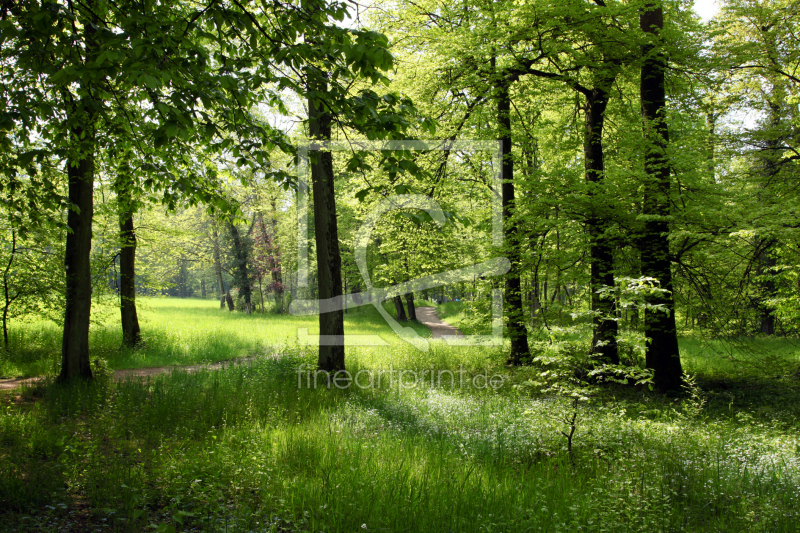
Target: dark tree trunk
765	265
412	310
218	269
131	335
662	354
183	278
229	300
242	276
398	306
604	338
517	330
326	233
80	176
275	264
6	285
769	163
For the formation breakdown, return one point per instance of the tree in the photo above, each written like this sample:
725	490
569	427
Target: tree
79	69
758	47
131	332
662	355
241	247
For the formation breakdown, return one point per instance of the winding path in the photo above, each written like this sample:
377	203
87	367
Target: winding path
127	373
426	315
439	328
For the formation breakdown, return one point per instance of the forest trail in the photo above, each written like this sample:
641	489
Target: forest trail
426	316
128	373
439	328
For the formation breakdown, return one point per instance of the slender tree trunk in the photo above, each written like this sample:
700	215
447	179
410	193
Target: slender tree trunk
326	232
218	268
6	294
711	123
412	310
765	244
604	338
131	334
78	300
662	354
275	263
513	306
183	279
765	265
398	306
242	274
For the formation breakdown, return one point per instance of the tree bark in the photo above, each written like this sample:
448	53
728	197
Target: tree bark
78	300
218	268
662	354
131	334
6	284
765	245
326	233
398	306
766	289
275	263
412	310
183	279
242	277
604	338
517	330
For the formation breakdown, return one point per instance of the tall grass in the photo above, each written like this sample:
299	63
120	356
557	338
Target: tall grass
253	448
245	449
179	332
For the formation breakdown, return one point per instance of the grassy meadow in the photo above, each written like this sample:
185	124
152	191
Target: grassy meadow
177	332
254	448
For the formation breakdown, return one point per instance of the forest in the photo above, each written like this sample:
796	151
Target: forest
408	265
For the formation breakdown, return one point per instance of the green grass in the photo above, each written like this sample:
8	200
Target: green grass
179	332
465	317
250	449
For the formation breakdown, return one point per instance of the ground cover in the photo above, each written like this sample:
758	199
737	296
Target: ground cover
258	448
177	332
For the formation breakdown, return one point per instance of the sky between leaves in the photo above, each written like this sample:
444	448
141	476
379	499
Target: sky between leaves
706	8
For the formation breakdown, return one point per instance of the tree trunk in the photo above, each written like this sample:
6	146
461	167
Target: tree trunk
242	277
78	297
765	245
604	338
6	284
218	268
326	233
412	310
662	354
398	306
131	335
517	330
277	274
183	278
765	266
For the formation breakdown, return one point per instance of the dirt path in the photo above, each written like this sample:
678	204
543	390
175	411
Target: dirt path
439	328
426	315
128	373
